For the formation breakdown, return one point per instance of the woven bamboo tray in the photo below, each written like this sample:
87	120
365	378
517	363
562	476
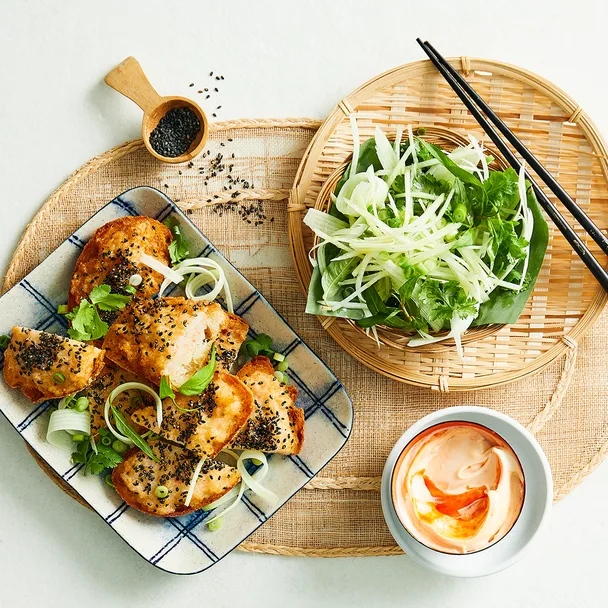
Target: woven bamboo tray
566	299
339	512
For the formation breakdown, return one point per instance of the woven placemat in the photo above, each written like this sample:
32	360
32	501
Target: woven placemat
339	512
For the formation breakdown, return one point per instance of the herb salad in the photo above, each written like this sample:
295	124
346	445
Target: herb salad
425	241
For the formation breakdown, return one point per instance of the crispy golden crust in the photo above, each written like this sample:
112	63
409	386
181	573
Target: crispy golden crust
126	402
219	414
112	255
276	425
171	337
137	477
232	335
33	357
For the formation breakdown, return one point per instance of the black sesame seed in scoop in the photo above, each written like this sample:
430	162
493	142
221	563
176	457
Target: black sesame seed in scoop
175	132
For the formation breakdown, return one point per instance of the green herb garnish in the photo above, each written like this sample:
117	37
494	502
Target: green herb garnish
85	320
123	427
440	241
4	340
97	463
261	345
105	300
200	381
165	389
179	249
86	323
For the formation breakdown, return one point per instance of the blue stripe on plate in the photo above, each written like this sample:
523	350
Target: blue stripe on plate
112	517
125	205
164	213
173	542
254	509
35	413
247	304
76	241
76	470
189	532
43	300
45	323
72	471
301	465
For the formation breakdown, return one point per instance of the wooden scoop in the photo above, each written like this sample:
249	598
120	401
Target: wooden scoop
129	79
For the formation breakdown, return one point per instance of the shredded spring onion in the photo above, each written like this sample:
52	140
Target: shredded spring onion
201	272
64	423
248	482
128	386
166	271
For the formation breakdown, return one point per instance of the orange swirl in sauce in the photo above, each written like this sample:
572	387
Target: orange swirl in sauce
458	487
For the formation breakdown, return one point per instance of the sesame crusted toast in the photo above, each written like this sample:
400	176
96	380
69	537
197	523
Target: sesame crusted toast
137	477
172	337
276	425
48	366
204	424
112	256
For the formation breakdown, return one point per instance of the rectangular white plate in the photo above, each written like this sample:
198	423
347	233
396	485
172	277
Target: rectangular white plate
182	545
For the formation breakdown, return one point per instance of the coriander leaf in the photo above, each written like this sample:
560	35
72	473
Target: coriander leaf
95	463
502	190
264	340
165	388
179	249
200	381
86	323
100	295
251	348
122	426
106	458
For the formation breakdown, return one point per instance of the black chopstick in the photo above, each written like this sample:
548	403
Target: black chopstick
583	219
558	219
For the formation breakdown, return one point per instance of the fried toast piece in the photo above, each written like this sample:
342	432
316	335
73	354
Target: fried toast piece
215	416
137	477
112	256
98	392
172	337
48	366
276	425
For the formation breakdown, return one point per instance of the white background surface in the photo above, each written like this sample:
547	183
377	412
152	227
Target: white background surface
280	59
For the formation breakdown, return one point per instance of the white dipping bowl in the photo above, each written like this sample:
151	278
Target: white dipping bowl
538	496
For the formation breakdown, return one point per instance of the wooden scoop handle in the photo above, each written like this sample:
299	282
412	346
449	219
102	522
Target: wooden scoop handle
129	79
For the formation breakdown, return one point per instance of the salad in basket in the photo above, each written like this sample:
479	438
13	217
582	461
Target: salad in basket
425	241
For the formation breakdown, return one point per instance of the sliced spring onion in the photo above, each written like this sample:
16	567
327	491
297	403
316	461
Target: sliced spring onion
63	424
128	386
197	472
166	271
251	482
201	271
58	378
135	280
248	481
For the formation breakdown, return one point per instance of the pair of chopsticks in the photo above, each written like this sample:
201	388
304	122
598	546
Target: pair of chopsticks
474	102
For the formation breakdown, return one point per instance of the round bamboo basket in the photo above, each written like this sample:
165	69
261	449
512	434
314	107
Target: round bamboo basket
566	299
